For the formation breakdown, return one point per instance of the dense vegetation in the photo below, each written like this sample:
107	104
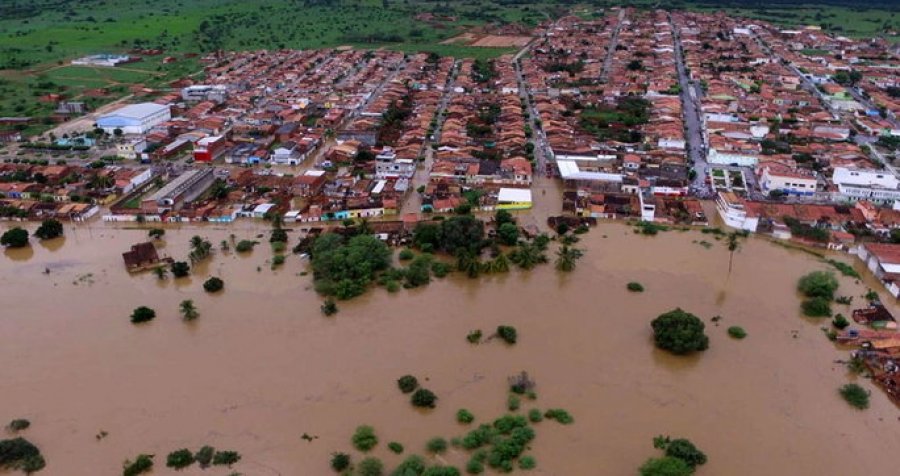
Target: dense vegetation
20	454
855	395
681	458
344	268
679	332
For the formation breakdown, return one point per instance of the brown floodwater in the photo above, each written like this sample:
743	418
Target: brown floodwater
262	366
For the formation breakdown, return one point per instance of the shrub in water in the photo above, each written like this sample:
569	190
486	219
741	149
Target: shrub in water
204	456
559	415
142	314
679	332
395	447
816	307
840	321
18	424
436	445
535	415
635	287
424	398
180	459
818	284
855	395
226	458
142	464
684	450
474	337
507	333
527	462
213	285
406	254
340	461
464	416
665	466
364	438
737	332
370	467
407	383
512	403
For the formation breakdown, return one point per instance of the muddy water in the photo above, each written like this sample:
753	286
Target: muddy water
261	366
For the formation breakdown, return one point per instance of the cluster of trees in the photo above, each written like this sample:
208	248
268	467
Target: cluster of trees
344	268
17	237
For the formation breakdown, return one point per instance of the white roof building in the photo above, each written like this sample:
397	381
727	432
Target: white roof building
135	118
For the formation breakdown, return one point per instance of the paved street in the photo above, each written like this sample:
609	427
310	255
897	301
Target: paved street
690	103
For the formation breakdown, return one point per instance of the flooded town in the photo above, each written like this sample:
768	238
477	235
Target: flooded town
236	271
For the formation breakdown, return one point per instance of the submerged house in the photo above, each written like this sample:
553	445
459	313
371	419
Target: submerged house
142	256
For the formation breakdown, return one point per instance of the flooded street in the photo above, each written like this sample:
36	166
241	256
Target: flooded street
262	366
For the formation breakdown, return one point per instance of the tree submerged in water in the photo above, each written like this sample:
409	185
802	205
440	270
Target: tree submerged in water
679	332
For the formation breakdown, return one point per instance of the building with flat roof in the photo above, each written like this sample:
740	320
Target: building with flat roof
184	188
134	118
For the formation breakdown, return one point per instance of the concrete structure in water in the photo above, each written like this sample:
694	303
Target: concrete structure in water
185	188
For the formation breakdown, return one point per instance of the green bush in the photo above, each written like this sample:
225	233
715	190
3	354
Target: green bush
840	321
436	445
559	415
407	383
180	269
424	398
464	416
49	229
737	332
439	268
19	453
340	461
512	403
142	464
364	438
244	246
180	459
18	424
665	466
392	286
213	284
527	462
142	314
816	307
329	307
684	450
370	467
474	466
226	458
679	332
855	395
395	447
277	261
406	254
635	287
535	415
818	284
474	337
279	246
14	238
204	456
413	465
508	334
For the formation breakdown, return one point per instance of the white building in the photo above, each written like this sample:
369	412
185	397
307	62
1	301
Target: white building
134	118
731	158
878	186
131	148
387	165
789	182
731	209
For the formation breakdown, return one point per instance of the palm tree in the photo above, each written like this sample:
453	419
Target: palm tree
566	258
527	256
188	310
733	245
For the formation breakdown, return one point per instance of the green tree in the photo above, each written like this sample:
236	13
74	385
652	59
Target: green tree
423	398
665	466
567	257
819	284
527	255
370	467
14	238
463	231
180	459
213	284
142	464
508	233
503	216
679	332
340	462
188	310
49	229
344	269
142	314
364	438
180	269
684	450
733	245
855	395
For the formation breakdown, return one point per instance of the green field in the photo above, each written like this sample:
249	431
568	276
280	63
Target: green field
38	37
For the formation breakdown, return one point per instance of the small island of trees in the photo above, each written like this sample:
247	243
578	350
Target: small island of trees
679	332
